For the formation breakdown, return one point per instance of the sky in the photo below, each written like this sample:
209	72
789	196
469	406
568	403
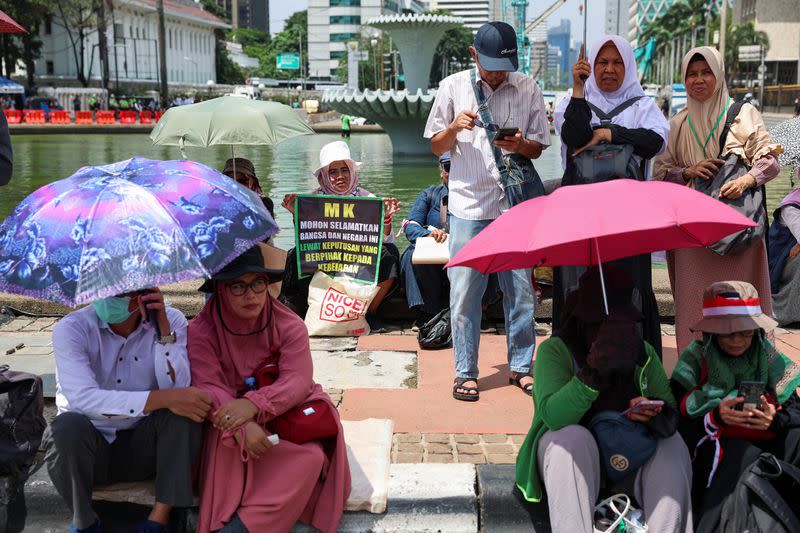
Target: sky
281	9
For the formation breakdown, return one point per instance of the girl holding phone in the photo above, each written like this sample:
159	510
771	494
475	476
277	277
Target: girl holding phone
734	363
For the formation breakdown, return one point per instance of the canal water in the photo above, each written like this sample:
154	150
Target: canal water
282	169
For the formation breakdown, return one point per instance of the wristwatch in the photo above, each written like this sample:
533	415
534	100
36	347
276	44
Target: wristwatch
166	339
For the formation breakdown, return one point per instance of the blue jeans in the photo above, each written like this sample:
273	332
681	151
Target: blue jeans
467	287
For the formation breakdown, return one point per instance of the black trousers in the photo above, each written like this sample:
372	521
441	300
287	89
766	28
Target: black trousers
162	445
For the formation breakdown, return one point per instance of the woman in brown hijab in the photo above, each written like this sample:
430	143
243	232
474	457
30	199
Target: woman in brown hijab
692	152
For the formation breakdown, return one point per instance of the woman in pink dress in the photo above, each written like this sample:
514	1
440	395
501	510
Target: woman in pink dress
248	482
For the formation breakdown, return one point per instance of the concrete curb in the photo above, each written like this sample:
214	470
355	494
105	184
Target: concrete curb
422	498
502	508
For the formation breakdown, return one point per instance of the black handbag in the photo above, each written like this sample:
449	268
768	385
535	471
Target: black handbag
752	202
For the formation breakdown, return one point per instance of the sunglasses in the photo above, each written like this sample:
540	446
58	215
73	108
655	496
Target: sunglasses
491	126
445	166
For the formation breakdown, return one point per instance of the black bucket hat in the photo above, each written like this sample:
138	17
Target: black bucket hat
253	260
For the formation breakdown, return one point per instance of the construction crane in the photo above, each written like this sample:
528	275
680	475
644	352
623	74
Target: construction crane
516	10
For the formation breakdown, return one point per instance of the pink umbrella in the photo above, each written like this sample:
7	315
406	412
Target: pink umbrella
9	25
581	224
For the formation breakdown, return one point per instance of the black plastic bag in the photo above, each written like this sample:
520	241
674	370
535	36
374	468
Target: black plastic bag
435	334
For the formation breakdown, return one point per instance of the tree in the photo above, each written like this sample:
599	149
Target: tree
288	40
26	47
79	20
228	72
215	9
453	48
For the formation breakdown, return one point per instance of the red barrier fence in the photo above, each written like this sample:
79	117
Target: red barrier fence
127	117
106	117
60	117
83	117
13	116
33	116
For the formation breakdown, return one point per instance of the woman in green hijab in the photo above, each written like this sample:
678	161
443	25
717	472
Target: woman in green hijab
728	436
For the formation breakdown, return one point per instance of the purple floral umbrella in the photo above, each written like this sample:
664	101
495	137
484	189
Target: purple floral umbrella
122	227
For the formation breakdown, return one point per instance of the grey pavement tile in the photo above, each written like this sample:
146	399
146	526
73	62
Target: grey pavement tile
363	369
333	344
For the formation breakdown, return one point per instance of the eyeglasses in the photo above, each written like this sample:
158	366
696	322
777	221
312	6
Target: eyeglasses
743	334
445	166
491	126
238	288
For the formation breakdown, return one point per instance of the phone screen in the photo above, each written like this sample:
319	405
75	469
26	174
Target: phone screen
752	391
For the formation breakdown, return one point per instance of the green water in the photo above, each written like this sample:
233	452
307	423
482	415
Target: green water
285	168
282	169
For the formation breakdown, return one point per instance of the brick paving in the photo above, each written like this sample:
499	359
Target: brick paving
455	448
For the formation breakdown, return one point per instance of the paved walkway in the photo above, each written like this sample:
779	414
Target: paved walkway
387	376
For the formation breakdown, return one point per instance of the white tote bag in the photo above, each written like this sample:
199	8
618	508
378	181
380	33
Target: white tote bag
618	509
336	306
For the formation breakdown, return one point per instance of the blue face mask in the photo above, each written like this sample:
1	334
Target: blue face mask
113	309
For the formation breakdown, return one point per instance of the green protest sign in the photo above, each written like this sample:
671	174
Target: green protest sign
338	235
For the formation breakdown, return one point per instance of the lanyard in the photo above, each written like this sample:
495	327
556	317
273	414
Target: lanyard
710	133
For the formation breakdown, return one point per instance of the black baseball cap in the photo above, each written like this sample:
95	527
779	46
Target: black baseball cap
496	44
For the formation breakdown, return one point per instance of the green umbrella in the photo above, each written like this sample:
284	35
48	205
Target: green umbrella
228	120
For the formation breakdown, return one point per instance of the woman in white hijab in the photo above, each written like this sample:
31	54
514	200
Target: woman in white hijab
692	153
611	79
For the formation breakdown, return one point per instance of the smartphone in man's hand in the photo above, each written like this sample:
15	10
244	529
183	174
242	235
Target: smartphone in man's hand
502	133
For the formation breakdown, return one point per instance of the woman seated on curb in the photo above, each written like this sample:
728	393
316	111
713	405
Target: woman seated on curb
708	379
337	176
598	363
248	482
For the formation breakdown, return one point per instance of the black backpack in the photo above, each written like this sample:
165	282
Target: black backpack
22	424
22	420
765	499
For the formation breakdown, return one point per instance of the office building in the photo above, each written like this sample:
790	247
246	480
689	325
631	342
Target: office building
559	37
474	12
332	23
617	17
780	20
641	13
247	13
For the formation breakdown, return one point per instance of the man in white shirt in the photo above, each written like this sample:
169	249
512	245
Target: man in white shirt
476	197
126	411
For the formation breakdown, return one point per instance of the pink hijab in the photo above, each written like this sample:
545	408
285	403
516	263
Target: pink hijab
222	356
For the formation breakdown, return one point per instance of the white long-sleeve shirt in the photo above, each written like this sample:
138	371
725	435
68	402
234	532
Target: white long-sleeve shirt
108	377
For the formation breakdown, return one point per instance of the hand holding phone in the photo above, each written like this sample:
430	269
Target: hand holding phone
502	133
751	391
642	405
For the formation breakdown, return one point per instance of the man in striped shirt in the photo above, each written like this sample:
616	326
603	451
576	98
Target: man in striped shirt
476	197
